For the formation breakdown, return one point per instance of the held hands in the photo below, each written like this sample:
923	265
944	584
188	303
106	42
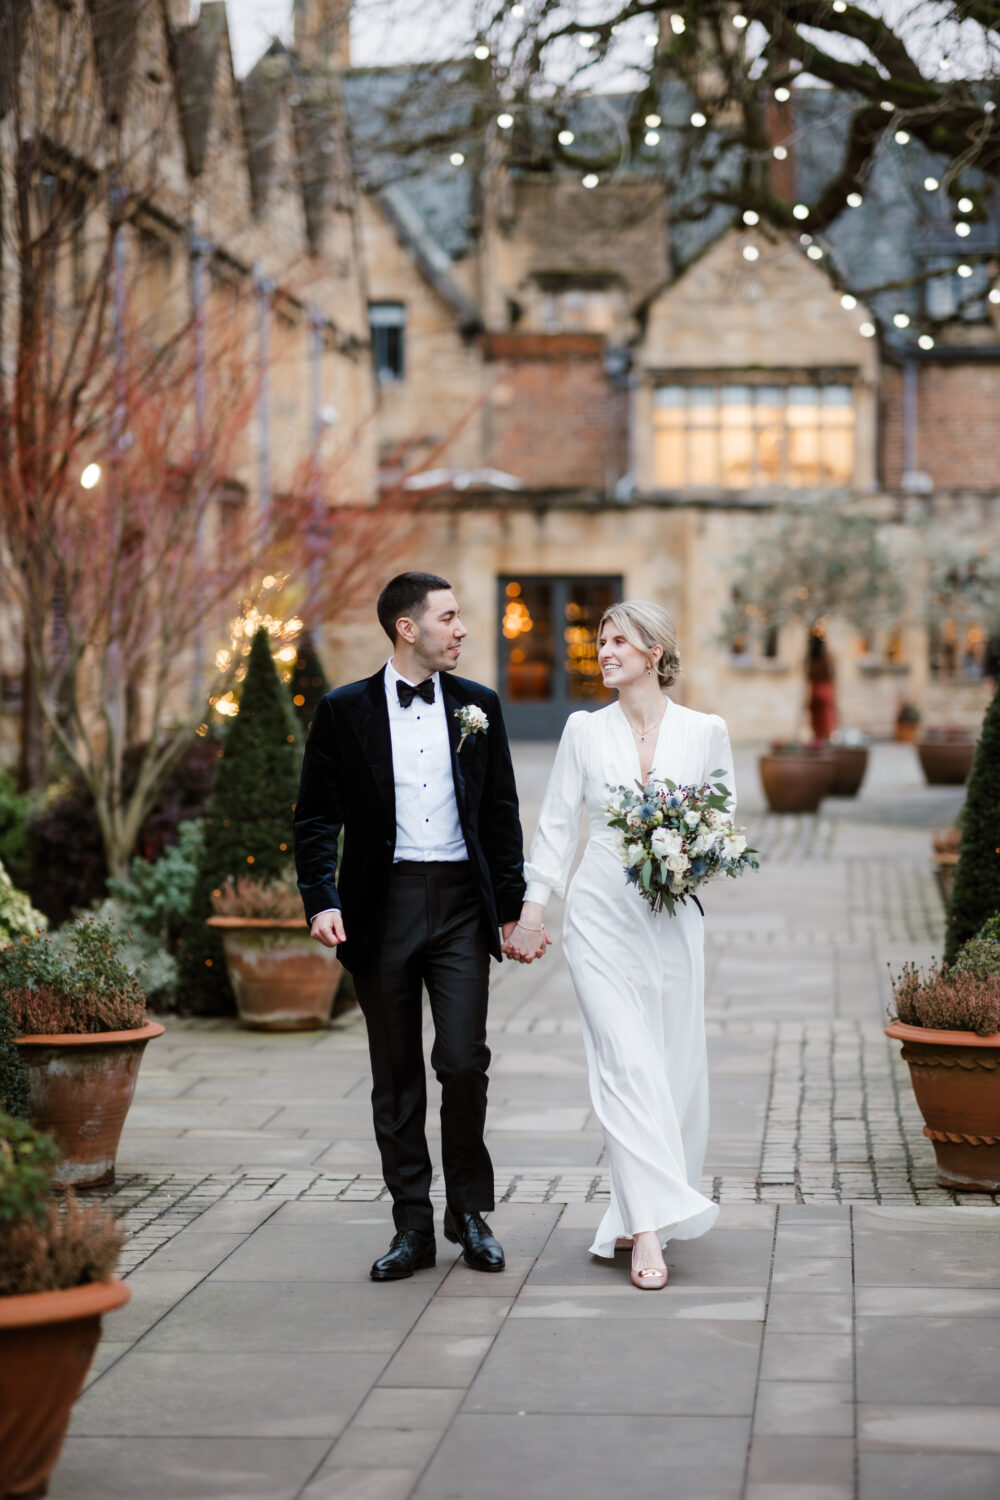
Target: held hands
526	940
328	929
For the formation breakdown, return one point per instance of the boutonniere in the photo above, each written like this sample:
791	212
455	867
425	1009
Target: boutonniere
471	720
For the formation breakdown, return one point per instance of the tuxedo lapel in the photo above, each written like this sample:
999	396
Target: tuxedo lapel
451	702
371	724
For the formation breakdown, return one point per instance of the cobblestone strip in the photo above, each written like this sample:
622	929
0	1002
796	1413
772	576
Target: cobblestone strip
891	901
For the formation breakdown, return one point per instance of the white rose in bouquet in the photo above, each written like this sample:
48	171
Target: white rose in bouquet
635	854
678	863
666	841
734	845
716	819
692	818
634	818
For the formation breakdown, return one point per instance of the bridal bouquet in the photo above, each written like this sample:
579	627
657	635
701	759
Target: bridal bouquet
671	839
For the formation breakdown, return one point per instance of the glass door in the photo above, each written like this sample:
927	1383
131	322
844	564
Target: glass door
548	657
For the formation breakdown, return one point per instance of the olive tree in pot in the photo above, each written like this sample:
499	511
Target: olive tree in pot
948	1021
79	1016
56	1283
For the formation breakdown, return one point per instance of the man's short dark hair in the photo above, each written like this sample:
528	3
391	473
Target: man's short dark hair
406	594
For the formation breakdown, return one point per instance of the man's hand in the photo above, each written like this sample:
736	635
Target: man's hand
328	929
524	945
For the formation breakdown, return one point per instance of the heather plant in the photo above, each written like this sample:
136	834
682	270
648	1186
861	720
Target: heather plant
947	999
46	1246
272	900
975	894
74	983
142	952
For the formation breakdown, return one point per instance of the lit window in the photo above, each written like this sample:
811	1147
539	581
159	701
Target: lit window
387	321
741	437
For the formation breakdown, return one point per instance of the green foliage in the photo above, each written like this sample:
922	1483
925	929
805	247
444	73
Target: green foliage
73	981
17	915
991	928
143	953
979	956
947	1000
307	684
15	811
13	1073
27	1161
248	822
975	895
157	893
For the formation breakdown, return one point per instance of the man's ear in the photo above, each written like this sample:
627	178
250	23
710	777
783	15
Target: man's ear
406	629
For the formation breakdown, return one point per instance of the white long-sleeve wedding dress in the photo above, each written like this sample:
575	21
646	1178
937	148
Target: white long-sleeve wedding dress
639	977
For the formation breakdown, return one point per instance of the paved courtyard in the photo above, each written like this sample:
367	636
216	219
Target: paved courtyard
835	1337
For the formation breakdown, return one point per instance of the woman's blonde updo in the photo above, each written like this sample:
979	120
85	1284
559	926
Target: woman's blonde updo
645	625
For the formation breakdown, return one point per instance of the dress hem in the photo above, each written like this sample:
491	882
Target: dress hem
691	1228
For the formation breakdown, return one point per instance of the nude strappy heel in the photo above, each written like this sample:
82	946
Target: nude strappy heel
649	1279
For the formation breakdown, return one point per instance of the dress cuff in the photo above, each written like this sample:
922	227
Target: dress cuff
536	891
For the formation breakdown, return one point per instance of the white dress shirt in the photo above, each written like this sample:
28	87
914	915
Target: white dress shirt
427	822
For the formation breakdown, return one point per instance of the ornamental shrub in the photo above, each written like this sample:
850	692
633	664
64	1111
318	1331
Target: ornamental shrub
991	928
947	1000
979	956
73	981
15	810
13	1073
17	915
248	821
307	684
975	894
156	893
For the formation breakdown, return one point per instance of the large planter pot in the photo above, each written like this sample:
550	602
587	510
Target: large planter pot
796	783
47	1341
904	732
956	1082
282	978
80	1089
946	761
850	762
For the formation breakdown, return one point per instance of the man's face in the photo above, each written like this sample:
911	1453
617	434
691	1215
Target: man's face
438	633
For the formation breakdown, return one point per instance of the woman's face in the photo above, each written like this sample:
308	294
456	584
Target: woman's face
619	661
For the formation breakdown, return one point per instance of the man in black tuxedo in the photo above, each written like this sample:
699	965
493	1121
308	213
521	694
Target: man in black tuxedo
431	868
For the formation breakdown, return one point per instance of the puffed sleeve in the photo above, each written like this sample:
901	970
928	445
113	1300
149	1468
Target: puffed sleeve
719	757
554	844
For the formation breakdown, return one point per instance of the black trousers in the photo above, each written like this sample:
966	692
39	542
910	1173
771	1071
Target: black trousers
433	935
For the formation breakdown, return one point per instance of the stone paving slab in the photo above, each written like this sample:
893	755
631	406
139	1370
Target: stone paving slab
835	1337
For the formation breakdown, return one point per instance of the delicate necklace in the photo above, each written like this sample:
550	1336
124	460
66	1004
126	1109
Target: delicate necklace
649	727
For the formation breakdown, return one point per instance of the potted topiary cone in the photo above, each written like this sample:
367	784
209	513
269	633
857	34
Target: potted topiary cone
55	1286
949	1024
795	777
79	1016
282	979
975	894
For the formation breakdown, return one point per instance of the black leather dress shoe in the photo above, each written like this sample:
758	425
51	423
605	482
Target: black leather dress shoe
410	1251
482	1250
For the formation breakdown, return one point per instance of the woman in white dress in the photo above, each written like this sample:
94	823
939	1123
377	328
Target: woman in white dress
639	977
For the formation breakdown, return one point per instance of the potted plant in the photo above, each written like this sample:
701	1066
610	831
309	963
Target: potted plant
907	722
56	1261
796	777
946	755
949	1024
850	761
282	979
80	1020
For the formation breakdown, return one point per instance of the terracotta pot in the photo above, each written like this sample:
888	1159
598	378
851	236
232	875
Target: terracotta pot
946	761
80	1090
850	762
905	732
956	1082
47	1341
796	783
282	979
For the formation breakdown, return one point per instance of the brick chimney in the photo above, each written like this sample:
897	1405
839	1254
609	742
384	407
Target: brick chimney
323	30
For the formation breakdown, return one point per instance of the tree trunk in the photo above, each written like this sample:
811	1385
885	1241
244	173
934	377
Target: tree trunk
32	760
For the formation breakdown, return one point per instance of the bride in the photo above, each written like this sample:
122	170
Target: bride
639	977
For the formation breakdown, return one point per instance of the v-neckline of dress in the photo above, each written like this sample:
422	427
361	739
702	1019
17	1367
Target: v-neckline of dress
656	743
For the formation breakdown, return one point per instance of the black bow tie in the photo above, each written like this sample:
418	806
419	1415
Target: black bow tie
407	693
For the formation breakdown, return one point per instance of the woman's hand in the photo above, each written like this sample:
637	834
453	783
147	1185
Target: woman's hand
528	939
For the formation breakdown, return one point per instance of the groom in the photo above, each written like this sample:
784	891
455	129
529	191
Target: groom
432	866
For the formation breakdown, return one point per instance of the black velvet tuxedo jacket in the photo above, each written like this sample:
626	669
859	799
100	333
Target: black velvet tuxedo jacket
347	783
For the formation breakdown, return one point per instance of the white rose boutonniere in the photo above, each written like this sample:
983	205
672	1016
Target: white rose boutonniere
471	720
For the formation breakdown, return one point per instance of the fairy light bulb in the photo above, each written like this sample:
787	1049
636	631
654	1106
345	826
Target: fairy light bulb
590	180
481	53
698	119
847	301
965	205
750	252
963	230
456	158
505	121
652	138
782	95
901	319
867	330
854	200
902	137
931	184
779	153
751	216
800	211
565	137
925	341
652	121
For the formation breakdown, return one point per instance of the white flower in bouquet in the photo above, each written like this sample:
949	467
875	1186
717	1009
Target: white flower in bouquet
666	841
716	819
692	818
678	863
635	854
734	845
634	818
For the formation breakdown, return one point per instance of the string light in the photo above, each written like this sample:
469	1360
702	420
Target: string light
965	272
652	121
901	319
800	211
740	21
505	121
651	39
963	230
565	137
678	25
590	180
779	153
586	40
750	252
867	330
840	6
888	106
805	239
931	184
814	252
698	119
848	302
994	294
481	53
652	137
902	137
751	216
456	158
965	205
90	476
517	10
925	341
854	200
782	95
